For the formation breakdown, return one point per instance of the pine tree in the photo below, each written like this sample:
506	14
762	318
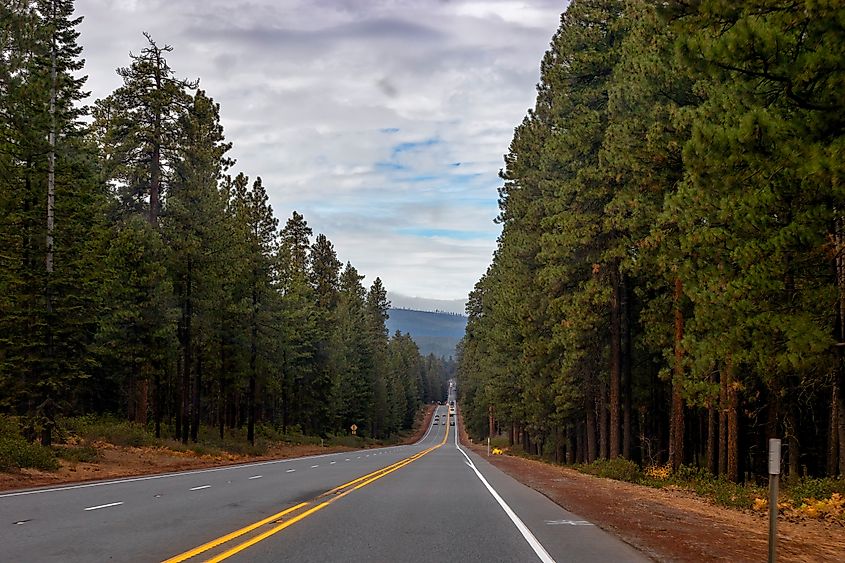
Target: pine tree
191	223
139	127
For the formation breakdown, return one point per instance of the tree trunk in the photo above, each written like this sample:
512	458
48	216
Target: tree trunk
253	364
712	432
627	363
222	397
155	157
615	360
157	402
841	439
579	442
676	431
511	430
602	414
794	445
187	351
732	470
195	402
47	428
838	408
177	399
723	422
591	430
833	431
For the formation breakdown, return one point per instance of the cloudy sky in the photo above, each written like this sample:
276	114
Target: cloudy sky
383	121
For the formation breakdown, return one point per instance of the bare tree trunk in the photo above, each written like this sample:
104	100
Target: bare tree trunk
841	439
712	432
591	429
177	399
579	442
157	398
627	363
615	360
794	445
723	422
253	365
676	431
187	351
732	468
602	414
195	402
833	430
838	409
221	422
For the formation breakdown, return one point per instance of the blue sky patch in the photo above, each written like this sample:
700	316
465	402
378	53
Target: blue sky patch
445	233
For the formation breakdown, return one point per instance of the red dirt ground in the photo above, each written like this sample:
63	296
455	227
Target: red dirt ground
116	461
672	525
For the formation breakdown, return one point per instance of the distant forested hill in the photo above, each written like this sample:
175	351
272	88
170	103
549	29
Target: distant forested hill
434	333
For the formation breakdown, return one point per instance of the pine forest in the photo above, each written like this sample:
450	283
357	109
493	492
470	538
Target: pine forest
142	278
669	283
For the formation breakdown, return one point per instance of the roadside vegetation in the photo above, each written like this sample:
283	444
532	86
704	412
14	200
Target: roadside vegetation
806	497
84	439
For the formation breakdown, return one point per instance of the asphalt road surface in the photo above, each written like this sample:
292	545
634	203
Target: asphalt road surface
431	501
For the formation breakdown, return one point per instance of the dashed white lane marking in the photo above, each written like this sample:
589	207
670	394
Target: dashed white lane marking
347	459
313	466
98	507
200	488
255	477
332	463
290	470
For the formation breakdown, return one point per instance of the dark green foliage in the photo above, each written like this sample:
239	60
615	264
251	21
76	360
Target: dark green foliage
620	469
162	289
670	270
17	453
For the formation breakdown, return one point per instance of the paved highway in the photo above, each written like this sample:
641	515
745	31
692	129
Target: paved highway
431	501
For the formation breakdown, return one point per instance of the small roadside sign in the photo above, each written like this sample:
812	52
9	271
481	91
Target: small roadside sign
354	429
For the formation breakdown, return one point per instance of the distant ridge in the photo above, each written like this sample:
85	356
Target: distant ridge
434	332
401	301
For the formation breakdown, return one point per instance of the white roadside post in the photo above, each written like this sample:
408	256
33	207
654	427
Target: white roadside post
774	475
488	446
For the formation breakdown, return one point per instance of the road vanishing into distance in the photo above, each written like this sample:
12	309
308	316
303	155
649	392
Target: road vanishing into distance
431	501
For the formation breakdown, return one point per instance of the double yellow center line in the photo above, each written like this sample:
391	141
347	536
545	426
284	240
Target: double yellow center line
300	511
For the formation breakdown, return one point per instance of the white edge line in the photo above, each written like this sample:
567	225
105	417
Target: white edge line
184	473
103	506
290	470
255	477
200	488
520	525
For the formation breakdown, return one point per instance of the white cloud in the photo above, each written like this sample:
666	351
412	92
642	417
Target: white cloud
384	121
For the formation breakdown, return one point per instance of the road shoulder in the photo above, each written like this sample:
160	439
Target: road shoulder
669	525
